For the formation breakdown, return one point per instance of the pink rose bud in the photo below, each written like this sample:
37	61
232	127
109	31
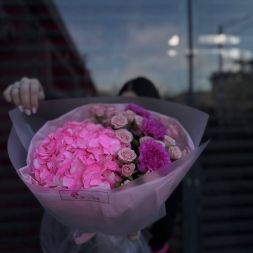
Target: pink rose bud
169	141
107	122
145	138
184	152
98	110
172	131
128	169
126	155
124	135
164	120
109	112
138	120
175	153
118	121
130	115
126	182
161	142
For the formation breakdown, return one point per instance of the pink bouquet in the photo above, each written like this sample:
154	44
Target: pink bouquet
113	147
105	164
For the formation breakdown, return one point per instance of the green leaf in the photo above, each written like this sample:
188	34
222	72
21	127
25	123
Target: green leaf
117	184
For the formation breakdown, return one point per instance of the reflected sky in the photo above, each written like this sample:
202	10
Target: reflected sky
126	39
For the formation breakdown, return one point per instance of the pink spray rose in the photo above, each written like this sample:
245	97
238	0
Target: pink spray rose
175	152
126	155
130	115
161	142
138	120
128	169
169	141
111	111
145	138
118	121
184	152
98	110
124	135
172	131
164	120
126	182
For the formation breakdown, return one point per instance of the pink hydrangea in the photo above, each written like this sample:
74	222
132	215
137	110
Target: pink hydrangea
152	156
78	155
109	145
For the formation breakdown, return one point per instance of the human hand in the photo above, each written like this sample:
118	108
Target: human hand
134	236
25	94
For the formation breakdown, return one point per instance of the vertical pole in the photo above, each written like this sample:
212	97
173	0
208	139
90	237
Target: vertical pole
191	238
190	53
220	47
221	81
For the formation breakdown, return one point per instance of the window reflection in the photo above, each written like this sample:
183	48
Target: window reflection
85	48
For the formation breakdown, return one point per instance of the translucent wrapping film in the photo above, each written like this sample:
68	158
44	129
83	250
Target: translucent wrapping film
119	211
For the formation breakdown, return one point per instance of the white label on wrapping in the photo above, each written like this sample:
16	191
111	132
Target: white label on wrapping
79	195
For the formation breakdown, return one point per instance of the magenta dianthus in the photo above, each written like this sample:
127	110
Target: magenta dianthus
139	110
153	156
153	128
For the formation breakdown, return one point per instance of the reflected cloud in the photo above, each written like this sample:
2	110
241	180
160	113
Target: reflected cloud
174	41
172	52
232	53
218	39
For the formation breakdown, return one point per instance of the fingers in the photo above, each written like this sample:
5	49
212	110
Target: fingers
29	94
7	94
41	92
26	94
15	94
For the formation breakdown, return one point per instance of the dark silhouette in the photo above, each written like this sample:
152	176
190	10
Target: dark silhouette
142	87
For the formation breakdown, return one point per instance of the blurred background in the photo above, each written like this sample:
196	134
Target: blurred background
197	52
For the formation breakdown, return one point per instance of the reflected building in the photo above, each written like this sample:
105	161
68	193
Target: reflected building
34	43
230	102
233	94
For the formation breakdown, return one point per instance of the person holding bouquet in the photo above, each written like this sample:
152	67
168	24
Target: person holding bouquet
26	94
